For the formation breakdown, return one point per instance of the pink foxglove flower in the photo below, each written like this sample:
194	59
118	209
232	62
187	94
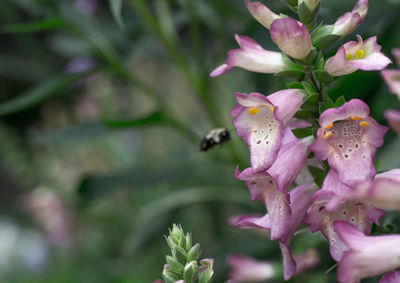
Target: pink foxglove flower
320	219
261	13
270	186
348	138
252	57
351	56
392	277
260	119
393	119
392	79
286	218
367	255
247	269
382	192
292	37
348	22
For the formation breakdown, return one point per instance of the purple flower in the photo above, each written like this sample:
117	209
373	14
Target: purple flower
348	138
259	120
247	269
319	218
392	79
285	218
292	37
351	56
367	255
393	118
348	22
252	57
261	13
392	277
383	192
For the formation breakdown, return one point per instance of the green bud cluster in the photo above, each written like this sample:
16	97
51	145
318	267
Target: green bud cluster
183	263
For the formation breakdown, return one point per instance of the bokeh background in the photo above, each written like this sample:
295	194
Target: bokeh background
102	108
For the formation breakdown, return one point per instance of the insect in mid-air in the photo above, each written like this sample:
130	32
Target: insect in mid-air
214	137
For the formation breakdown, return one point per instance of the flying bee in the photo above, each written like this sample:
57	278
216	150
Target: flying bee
214	137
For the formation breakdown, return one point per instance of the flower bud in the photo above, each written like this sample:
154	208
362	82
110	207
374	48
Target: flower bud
174	265
188	241
180	254
292	37
206	276
168	276
191	272
193	253
308	10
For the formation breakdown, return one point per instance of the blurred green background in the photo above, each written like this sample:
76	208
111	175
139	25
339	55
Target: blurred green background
102	108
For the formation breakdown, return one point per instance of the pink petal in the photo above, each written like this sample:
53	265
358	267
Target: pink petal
393	119
261	13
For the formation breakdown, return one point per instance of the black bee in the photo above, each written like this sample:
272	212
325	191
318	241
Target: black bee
213	138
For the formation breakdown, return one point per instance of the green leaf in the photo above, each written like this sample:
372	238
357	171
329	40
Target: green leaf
340	101
39	93
295	85
323	76
382	230
116	7
309	88
318	174
302	132
49	24
294	73
153	118
326	104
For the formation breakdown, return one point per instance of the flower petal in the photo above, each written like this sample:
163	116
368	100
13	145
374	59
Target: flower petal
256	123
244	269
392	277
392	79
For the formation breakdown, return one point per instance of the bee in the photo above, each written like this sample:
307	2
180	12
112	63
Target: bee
214	137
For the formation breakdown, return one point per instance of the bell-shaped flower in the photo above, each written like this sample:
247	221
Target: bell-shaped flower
292	37
321	219
382	192
367	256
348	22
252	57
348	138
392	79
270	186
392	277
261	13
259	120
287	218
351	56
247	269
393	118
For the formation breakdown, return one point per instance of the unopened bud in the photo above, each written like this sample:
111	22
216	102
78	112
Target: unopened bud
168	276
191	272
194	253
174	265
206	276
188	241
308	10
180	254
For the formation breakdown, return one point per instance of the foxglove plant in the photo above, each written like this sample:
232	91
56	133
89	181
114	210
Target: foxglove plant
302	129
183	264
